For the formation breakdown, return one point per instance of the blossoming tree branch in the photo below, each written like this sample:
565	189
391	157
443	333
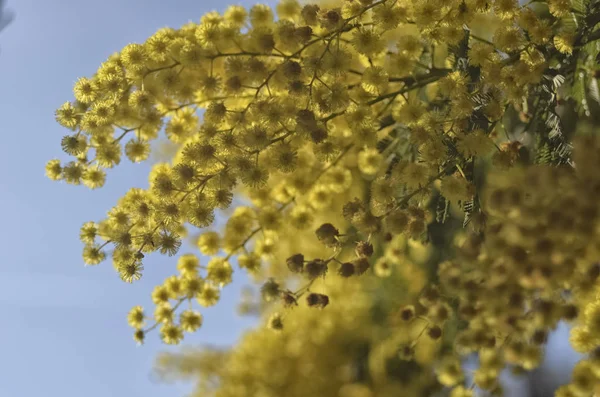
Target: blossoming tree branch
418	182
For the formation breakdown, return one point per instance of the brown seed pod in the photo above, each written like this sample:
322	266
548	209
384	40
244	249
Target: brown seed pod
303	33
318	134
364	249
327	234
288	299
346	269
317	300
434	332
570	312
269	290
295	263
315	268
361	265
407	313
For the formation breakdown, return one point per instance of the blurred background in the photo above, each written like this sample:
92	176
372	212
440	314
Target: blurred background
63	330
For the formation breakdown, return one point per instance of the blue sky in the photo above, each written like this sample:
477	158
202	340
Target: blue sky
63	329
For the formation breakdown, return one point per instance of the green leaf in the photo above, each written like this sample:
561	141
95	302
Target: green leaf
579	94
468	207
593	90
580	5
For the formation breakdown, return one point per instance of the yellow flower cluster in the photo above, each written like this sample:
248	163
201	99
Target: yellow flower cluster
334	352
352	131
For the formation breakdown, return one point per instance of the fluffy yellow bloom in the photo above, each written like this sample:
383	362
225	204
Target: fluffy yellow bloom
219	271
369	161
136	317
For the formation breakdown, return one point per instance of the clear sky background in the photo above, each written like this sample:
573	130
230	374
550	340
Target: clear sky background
62	326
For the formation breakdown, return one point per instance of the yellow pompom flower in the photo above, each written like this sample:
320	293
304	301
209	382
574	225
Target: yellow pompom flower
301	217
475	143
54	170
88	232
506	9
209	243
559	8
163	313
94	178
374	79
250	261
382	268
338	179
367	42
137	150
288	9
134	56
85	90
136	318
160	295
508	38
582	340
455	188
192	286
188	265
236	15
461	391
591	317
479	53
174	286
190	320
171	334
369	161
108	155
209	295
564	42
66	115
583	379
410	45
72	172
450	372
261	15
219	271
93	255
414	175
409	113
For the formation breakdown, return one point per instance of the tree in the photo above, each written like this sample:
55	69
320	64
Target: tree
417	182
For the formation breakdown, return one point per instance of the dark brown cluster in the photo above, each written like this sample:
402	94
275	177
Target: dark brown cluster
364	249
328	234
295	263
315	268
317	300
